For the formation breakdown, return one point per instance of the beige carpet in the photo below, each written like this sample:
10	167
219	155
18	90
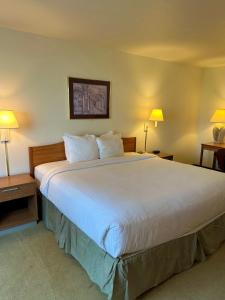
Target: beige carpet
33	267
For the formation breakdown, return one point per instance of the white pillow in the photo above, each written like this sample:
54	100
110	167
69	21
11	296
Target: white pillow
80	148
110	145
111	132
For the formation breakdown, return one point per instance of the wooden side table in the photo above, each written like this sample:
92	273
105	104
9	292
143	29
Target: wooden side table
211	147
160	154
18	201
165	155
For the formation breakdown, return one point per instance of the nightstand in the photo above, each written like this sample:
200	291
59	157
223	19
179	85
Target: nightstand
160	154
165	155
18	201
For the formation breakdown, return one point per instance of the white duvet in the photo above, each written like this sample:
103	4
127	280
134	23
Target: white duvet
135	202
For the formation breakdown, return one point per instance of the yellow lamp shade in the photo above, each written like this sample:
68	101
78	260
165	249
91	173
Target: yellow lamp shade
8	120
218	116
156	115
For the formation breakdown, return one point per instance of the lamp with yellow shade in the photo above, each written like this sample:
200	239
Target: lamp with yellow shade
219	130
156	115
7	121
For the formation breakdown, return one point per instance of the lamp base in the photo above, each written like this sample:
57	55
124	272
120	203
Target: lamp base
219	135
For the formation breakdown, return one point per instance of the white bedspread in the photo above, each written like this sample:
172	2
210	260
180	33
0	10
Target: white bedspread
41	170
133	203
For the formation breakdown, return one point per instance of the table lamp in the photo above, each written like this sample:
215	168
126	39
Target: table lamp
218	131
7	121
156	115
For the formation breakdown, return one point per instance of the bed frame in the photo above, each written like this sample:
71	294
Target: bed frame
55	152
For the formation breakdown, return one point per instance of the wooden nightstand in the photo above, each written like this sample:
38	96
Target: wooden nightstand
160	154
211	147
18	200
165	155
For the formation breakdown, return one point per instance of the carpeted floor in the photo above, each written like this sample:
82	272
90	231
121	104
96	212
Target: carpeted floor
32	267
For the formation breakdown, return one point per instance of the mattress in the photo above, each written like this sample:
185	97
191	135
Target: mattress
136	202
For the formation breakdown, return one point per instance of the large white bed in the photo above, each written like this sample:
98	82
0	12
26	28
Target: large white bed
134	202
130	221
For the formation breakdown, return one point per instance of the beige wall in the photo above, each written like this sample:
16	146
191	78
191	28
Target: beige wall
212	98
33	82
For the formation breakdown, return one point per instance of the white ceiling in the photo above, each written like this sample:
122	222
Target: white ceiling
190	31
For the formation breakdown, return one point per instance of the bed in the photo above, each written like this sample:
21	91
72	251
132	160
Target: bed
132	221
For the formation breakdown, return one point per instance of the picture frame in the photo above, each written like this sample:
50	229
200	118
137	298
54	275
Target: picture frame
89	99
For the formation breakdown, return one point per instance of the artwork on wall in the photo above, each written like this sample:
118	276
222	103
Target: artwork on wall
89	99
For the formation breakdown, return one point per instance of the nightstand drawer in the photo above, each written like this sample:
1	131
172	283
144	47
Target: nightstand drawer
15	192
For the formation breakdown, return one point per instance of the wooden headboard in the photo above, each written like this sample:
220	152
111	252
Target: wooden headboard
48	153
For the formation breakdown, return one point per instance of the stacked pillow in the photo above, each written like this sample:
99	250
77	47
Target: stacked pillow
88	147
110	145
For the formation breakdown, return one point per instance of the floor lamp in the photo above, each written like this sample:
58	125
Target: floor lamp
7	121
156	116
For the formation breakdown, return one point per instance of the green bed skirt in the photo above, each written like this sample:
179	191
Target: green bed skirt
129	276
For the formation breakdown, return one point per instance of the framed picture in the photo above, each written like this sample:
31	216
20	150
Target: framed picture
89	99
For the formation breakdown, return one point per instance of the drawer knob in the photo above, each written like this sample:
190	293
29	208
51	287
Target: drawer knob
10	190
